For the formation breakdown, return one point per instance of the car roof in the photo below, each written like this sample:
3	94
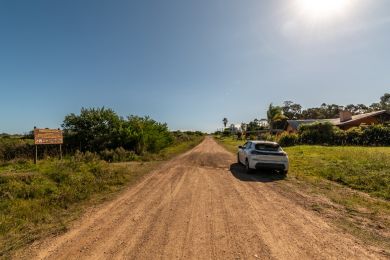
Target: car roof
263	142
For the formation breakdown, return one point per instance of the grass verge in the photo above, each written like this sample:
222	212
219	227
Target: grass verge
39	200
348	185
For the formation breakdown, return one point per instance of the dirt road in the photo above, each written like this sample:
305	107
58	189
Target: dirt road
201	206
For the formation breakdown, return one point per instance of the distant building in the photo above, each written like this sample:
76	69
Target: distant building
345	121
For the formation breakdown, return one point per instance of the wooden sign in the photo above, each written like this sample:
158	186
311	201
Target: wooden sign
48	136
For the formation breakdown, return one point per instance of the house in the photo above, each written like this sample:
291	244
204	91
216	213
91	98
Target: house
345	121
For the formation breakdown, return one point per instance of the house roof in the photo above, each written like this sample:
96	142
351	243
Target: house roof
356	118
336	121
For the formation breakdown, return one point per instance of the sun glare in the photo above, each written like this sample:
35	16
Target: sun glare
322	9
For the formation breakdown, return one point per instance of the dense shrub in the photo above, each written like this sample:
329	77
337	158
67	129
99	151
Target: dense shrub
353	136
226	132
118	155
179	136
286	139
317	133
325	133
85	157
20	148
98	129
376	135
267	137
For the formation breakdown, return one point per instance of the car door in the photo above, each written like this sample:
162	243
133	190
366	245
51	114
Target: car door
247	150
241	153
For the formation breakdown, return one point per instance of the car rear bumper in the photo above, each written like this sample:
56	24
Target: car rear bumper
271	166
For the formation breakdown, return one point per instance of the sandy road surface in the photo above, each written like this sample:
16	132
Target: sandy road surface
199	207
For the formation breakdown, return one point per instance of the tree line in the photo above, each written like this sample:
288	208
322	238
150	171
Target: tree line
293	110
97	129
101	131
277	115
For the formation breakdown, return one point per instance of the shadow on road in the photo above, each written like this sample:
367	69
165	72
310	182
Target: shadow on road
238	171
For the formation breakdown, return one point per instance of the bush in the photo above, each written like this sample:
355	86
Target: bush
286	139
226	132
15	148
353	136
267	137
378	135
85	157
326	133
118	155
317	133
97	129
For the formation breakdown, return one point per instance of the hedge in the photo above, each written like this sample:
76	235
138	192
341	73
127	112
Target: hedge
327	134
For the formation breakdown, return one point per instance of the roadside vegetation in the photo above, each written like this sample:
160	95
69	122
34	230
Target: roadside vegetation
324	133
39	200
361	168
103	154
350	185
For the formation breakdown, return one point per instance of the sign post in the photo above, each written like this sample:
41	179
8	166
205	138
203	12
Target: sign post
47	136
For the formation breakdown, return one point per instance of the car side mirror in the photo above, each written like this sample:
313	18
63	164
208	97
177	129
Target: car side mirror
240	146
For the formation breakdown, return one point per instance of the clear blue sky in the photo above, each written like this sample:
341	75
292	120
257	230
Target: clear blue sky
187	63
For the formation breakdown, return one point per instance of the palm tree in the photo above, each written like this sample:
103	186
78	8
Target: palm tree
274	114
225	121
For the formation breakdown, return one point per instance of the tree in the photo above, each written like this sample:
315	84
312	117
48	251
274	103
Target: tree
225	121
375	106
275	115
144	134
253	126
93	130
97	129
385	101
292	110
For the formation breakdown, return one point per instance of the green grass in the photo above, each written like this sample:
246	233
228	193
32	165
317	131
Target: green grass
39	200
362	168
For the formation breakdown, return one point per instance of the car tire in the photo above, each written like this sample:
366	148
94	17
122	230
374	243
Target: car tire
248	170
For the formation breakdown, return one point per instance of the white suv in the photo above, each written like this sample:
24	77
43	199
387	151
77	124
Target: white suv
262	155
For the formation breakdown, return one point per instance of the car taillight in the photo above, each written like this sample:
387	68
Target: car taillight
254	152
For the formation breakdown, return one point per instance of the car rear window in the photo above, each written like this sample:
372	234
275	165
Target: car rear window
267	147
